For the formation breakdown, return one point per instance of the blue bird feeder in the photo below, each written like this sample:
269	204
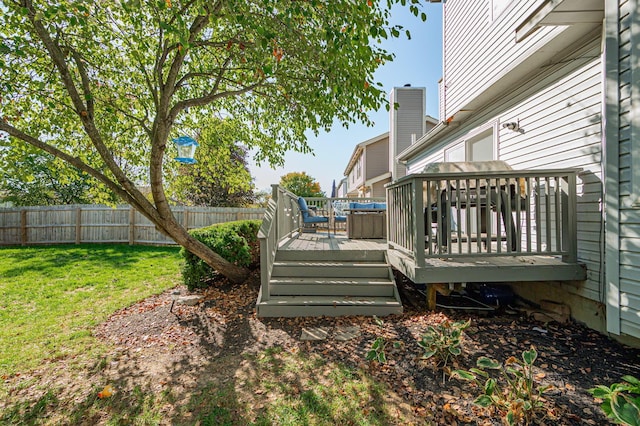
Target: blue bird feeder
186	149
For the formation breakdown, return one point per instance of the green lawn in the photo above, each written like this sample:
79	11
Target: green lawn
52	296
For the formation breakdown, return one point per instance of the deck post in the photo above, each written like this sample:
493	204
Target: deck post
569	231
418	221
432	295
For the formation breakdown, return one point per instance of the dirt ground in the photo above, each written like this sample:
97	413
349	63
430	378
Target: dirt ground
159	349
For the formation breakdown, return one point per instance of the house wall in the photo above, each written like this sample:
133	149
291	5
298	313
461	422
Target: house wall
628	189
356	177
378	189
377	158
471	64
559	112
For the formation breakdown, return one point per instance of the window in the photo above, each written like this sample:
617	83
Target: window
457	153
477	146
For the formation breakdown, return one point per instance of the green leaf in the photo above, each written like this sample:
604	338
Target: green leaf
483	401
529	357
489	386
632	380
428	354
479	372
484	362
462	374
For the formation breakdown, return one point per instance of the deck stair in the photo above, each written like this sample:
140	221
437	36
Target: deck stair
330	283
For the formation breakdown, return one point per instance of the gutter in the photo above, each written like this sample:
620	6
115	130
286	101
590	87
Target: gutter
440	130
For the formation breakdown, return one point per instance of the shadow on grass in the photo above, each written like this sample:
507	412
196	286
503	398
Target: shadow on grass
242	371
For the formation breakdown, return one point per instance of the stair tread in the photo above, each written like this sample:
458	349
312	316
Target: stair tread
330	280
332	300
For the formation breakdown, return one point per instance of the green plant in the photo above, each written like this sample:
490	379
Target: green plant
620	401
378	347
518	396
236	242
443	341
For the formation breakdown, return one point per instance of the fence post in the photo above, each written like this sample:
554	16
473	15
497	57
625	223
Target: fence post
132	225
185	217
23	227
78	225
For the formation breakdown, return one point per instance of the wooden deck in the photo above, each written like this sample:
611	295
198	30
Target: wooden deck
508	269
337	242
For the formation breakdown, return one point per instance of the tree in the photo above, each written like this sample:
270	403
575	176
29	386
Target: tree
30	177
221	176
301	184
105	85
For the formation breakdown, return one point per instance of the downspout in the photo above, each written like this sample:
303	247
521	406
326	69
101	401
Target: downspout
611	165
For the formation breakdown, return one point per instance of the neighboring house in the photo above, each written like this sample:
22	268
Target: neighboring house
341	189
544	84
372	164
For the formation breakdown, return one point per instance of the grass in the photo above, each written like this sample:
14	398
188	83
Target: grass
51	297
278	387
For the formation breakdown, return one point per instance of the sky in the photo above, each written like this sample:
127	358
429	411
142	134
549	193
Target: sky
418	62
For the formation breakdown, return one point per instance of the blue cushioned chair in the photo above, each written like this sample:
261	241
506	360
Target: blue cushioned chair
309	216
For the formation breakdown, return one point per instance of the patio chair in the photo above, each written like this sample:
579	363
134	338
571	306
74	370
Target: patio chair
339	215
310	217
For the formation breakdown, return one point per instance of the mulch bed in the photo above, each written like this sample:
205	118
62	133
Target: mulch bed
572	358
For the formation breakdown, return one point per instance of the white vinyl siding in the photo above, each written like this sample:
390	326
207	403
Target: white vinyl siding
562	127
629	162
471	64
559	114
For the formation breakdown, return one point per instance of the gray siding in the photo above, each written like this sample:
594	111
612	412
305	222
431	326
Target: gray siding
629	226
471	64
377	158
405	121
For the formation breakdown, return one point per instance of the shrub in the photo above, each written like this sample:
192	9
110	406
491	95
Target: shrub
620	401
236	242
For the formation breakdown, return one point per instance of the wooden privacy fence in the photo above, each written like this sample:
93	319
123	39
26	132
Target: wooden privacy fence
77	224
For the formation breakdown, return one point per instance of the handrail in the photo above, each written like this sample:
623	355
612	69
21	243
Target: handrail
490	213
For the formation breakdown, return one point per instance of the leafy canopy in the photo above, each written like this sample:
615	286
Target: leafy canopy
301	184
278	67
221	176
105	85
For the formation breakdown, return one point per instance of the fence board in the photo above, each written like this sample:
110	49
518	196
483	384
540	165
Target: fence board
104	224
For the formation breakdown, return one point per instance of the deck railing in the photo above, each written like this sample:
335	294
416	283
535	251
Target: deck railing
330	206
496	213
281	219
